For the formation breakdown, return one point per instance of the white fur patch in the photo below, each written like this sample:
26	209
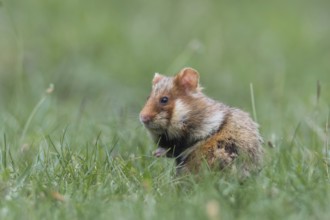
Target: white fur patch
180	111
210	124
179	115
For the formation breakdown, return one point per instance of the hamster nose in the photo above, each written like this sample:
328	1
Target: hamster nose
145	118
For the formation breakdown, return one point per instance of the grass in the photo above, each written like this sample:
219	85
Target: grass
78	151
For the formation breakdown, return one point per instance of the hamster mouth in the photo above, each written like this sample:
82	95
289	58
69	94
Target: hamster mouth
154	128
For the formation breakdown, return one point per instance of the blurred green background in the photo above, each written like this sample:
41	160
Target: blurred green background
101	57
98	47
110	49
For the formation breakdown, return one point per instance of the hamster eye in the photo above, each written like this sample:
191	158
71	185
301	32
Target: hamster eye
163	100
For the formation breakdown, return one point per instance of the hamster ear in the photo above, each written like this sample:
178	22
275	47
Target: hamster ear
157	78
188	78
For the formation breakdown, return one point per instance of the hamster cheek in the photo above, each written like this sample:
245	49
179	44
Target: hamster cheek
162	119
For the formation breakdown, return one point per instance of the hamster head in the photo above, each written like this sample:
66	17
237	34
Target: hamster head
167	108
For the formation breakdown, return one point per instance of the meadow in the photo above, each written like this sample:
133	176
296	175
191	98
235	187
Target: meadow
75	74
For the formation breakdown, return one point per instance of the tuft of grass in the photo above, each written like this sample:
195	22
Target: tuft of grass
34	111
253	103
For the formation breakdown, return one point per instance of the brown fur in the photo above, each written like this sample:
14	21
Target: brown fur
194	128
238	136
